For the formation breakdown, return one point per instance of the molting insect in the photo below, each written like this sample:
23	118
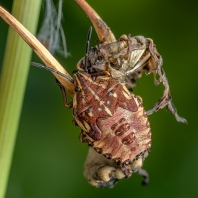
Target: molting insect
126	59
113	120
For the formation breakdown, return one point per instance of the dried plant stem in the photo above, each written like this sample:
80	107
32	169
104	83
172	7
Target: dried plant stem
12	84
39	49
103	31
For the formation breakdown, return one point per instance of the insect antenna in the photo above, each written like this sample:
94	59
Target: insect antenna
87	48
52	70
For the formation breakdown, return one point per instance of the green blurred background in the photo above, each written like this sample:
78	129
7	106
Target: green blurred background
48	158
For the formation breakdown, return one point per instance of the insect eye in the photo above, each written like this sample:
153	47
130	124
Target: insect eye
77	89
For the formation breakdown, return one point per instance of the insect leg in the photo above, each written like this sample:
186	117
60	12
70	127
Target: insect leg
165	100
87	48
68	105
145	175
132	66
82	137
130	83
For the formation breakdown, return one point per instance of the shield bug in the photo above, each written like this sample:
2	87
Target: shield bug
113	120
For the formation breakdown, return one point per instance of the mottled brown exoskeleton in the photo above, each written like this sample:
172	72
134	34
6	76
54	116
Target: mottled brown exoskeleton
112	119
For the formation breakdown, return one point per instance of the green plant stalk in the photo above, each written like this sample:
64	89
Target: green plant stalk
13	82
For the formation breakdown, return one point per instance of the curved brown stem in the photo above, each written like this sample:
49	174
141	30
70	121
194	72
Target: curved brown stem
39	49
103	31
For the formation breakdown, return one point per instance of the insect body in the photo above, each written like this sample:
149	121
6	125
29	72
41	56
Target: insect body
113	121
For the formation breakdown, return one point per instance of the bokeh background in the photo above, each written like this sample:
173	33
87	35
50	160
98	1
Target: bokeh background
48	158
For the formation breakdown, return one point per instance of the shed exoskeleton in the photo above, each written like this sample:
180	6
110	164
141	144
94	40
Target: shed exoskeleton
126	59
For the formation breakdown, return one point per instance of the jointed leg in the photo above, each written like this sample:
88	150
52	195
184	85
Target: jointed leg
145	175
165	100
68	105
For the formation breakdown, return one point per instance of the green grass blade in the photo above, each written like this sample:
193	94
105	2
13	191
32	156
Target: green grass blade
13	82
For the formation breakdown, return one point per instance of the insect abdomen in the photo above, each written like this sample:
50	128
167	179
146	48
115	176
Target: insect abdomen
125	135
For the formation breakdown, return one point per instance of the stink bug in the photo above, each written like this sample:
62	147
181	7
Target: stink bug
113	120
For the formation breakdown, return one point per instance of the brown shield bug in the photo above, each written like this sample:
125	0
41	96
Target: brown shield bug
113	121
